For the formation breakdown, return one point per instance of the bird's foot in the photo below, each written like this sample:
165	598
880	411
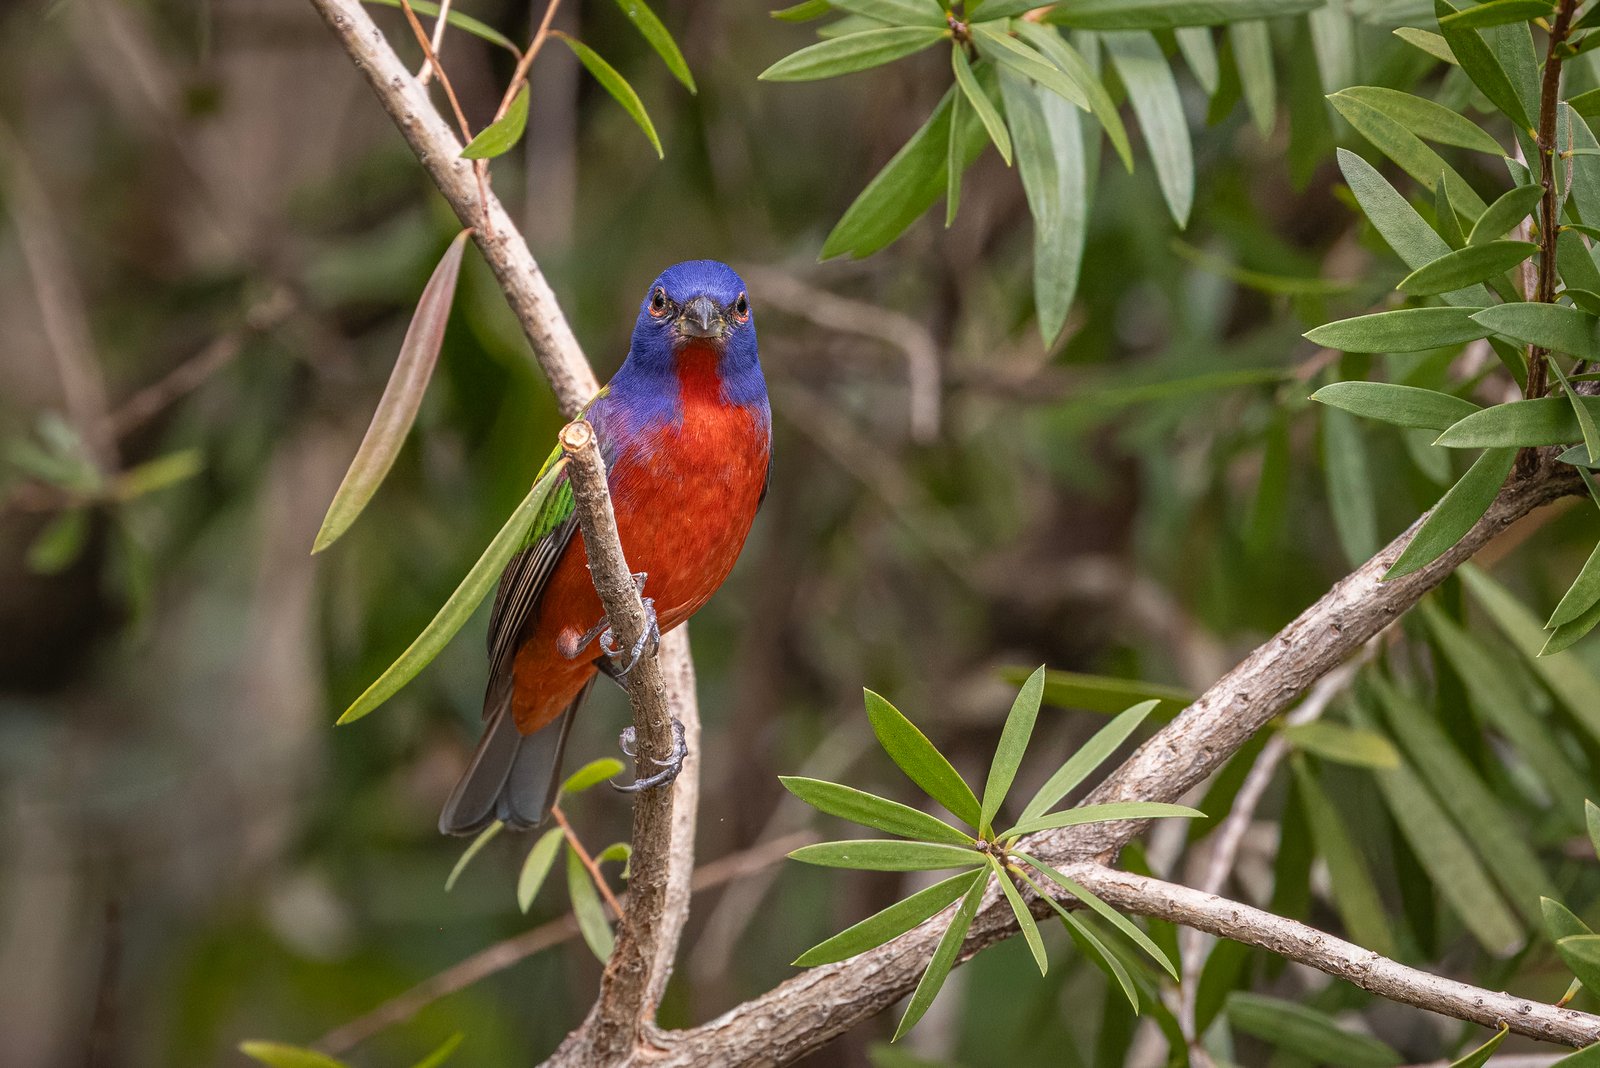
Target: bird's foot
670	767
614	663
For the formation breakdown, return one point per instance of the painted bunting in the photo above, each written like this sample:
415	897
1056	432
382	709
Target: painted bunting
686	434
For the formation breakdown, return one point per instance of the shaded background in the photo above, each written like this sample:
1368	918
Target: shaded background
212	243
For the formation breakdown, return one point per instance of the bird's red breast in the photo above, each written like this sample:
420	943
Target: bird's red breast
685	492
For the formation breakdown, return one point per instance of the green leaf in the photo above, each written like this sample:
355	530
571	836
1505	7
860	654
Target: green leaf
1470	803
1404	330
1200	53
804	11
1509	209
1462	506
1107	813
1396	139
402	397
872	811
1560	922
471	851
954	165
1496	13
459	608
1591	816
896	12
1089	756
587	909
1104	958
892	922
1013	744
881	854
502	135
924	765
1167	14
1341	744
460	21
1409	406
982	106
990	10
853	52
1430	42
537	866
1480	1056
1482	57
1587	1057
1582	954
1580	411
649	26
1412	239
843	27
1106	912
1019	909
283	1055
1550	326
944	957
442	1052
617	86
1542	421
58	546
1252	55
1143	68
1568	634
1354	895
1577	267
1008	52
158	474
1584	164
1104	693
591	774
1303	1031
1461	268
908	184
1349	476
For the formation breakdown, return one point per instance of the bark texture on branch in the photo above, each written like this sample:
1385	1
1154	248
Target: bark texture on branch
658	889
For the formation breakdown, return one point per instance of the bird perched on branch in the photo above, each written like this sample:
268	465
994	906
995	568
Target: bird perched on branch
686	434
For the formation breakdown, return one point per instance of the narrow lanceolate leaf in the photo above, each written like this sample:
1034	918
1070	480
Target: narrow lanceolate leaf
1496	13
1344	745
1428	120
1400	143
1482	63
852	52
892	922
1143	68
483	839
1580	411
923	764
1307	1033
1252	54
283	1055
1412	239
1560	922
458	609
1019	909
1582	954
460	21
1405	330
1104	958
1105	911
645	21
1354	894
537	866
1200	52
944	956
991	10
591	774
872	811
1551	326
402	397
804	11
1480	1056
1567	634
1509	209
982	106
1461	268
1016	56
442	1052
896	12
1069	59
1107	813
871	854
1577	266
587	909
1089	756
1541	421
1581	596
1462	505
1013	744
1105	693
1430	42
1389	402
1169	14
908	184
1591	816
1349	476
617	86
1585	166
953	163
502	135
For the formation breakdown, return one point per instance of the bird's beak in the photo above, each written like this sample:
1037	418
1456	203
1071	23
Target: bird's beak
701	318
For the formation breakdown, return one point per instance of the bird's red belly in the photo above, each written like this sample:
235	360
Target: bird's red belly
684	503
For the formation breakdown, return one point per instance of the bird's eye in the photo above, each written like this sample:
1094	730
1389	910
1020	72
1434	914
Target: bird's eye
658	302
741	308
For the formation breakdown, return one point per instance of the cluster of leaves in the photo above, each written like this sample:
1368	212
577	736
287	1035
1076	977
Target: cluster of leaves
986	856
1462	285
1020	83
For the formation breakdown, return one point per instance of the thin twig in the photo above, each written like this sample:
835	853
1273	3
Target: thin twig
588	862
425	72
525	61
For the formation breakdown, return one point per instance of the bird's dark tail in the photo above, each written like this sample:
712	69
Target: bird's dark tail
513	777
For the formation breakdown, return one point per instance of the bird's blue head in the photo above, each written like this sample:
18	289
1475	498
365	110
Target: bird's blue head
698	310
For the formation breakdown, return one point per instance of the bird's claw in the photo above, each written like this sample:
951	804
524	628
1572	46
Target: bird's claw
618	668
670	767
